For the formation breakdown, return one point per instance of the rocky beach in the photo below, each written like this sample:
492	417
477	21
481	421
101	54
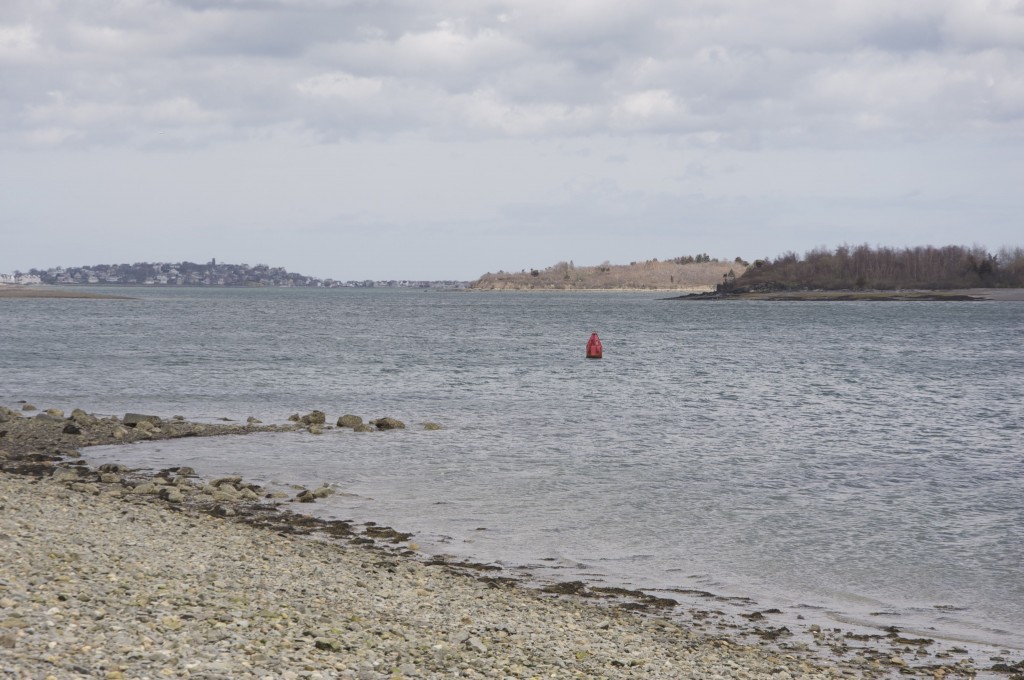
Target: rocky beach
112	573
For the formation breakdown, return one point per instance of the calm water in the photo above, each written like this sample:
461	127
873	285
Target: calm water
862	458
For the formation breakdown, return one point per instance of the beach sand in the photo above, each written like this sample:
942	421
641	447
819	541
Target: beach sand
112	574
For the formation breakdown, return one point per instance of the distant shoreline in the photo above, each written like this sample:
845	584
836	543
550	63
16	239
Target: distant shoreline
46	291
959	295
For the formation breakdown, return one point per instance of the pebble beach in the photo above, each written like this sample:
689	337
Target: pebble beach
105	573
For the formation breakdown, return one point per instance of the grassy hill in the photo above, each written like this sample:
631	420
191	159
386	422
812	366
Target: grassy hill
699	273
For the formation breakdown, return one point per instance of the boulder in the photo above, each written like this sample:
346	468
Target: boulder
316	428
81	418
133	419
71	428
65	475
113	467
363	427
172	495
431	426
349	420
388	424
28	407
323	492
314	418
253	421
55	412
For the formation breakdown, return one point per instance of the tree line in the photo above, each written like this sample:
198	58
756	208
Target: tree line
864	267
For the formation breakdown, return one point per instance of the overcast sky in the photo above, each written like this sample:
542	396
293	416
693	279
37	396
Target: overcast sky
436	139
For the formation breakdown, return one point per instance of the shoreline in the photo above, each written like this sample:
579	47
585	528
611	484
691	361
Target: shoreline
460	617
957	295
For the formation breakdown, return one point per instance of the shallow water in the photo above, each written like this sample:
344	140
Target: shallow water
865	458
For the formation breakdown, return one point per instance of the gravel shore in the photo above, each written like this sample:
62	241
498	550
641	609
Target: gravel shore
106	574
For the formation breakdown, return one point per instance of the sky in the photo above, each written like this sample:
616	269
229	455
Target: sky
441	139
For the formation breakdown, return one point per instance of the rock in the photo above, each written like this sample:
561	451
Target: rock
324	491
295	417
314	418
28	407
476	645
145	426
146	488
388	424
186	471
110	478
349	420
223	511
113	467
133	419
431	426
253	421
82	418
363	427
71	428
55	412
306	496
65	475
315	428
119	432
328	645
172	495
47	418
232	481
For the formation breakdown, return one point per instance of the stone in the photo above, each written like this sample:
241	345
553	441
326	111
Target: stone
306	496
119	432
315	428
314	418
82	418
172	495
431	426
65	475
388	424
324	491
28	407
133	419
55	412
253	421
71	428
363	427
349	420
113	467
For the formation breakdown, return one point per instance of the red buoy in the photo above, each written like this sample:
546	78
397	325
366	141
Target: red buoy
594	349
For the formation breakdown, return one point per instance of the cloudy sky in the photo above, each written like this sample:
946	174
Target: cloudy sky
444	138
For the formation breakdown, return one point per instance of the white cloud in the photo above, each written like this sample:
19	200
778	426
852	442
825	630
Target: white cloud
17	43
534	95
343	85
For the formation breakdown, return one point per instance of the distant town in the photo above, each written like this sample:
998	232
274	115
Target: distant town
192	274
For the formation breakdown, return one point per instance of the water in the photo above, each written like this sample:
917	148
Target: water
858	460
